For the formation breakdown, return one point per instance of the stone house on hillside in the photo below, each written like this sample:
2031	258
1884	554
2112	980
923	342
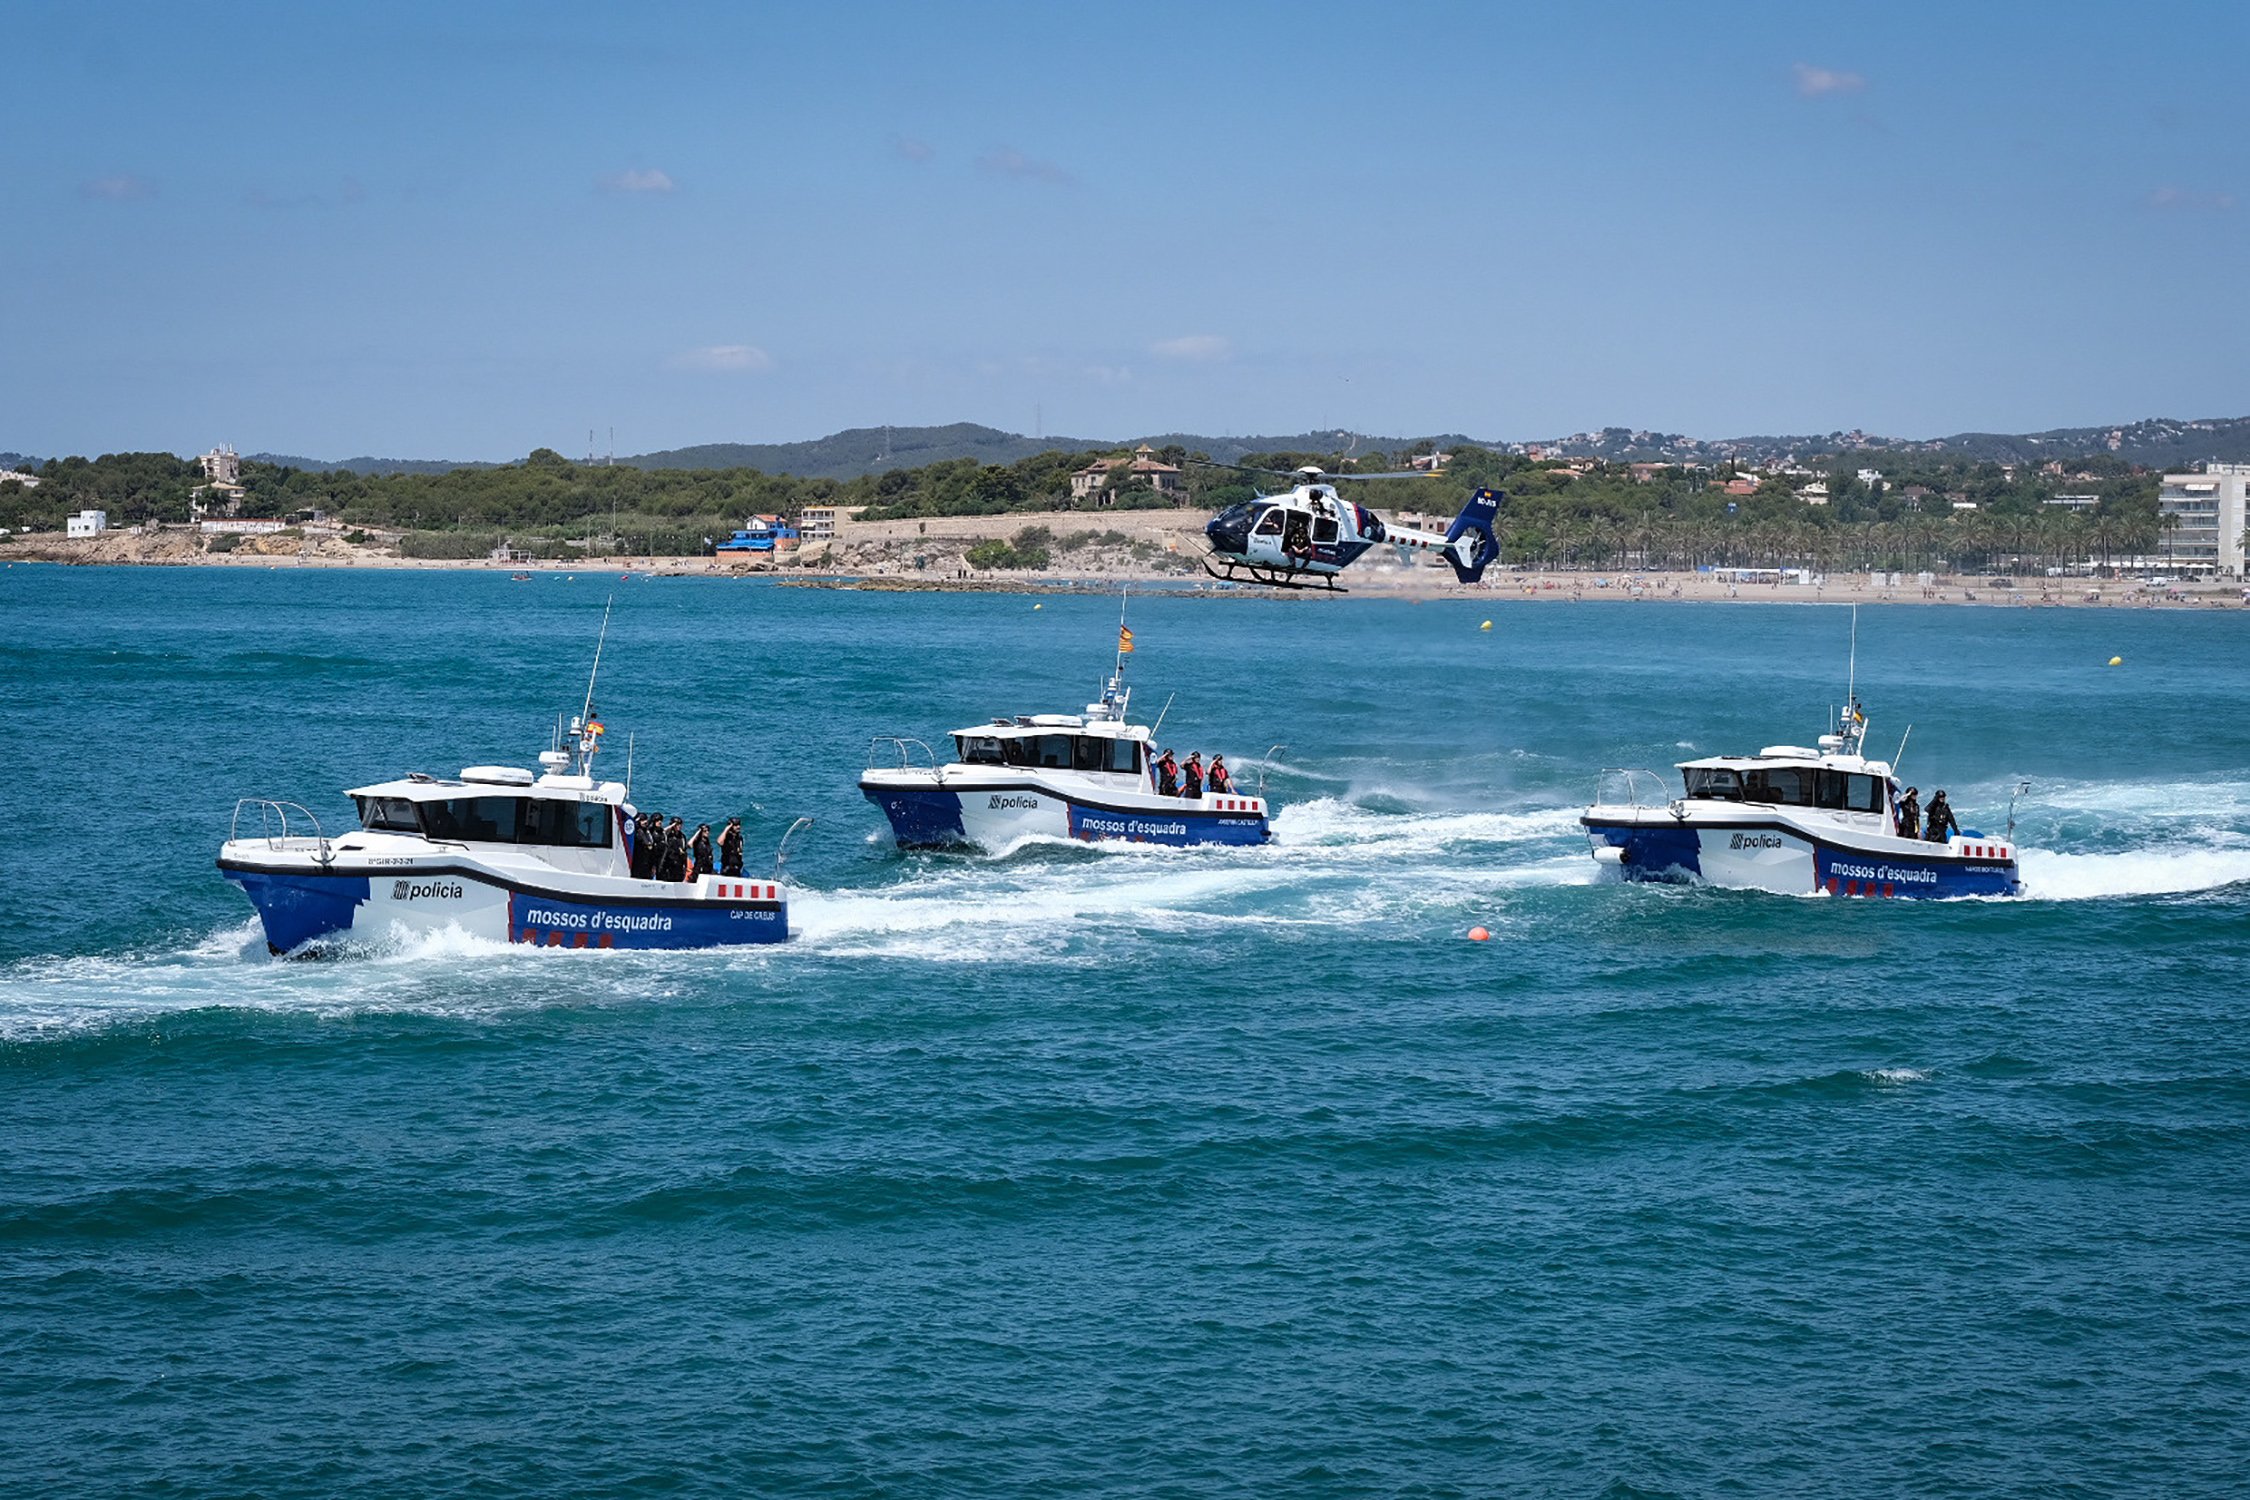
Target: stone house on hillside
1098	484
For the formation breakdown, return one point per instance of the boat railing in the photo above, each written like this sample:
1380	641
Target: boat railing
901	754
274	829
1629	786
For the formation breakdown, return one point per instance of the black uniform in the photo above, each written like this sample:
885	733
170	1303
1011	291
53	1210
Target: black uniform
672	864
644	846
1194	778
699	849
730	848
1942	821
1909	816
1167	777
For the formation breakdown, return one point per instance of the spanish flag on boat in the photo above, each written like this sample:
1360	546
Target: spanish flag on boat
1124	640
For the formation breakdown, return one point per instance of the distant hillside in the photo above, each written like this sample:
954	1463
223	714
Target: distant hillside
365	465
871	450
2155	442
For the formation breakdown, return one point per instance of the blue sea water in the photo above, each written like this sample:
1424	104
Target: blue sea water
1143	1173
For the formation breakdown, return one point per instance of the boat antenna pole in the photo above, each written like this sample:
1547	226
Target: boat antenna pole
1902	739
1851	667
599	640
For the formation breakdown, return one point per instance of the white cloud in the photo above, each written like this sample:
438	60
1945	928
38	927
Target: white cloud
1007	161
913	150
639	180
122	188
1813	82
2183	200
724	359
1193	348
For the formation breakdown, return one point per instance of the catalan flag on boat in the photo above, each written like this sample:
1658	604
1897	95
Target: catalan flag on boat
1124	640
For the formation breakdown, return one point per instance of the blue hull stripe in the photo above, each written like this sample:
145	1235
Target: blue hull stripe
1672	854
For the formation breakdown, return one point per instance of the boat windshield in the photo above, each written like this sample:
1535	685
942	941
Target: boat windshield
1715	782
1059	752
388	814
518	820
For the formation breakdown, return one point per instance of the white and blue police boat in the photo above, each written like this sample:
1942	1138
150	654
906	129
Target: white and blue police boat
1087	777
495	853
1792	820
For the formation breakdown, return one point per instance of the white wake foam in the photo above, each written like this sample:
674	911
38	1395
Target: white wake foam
2179	870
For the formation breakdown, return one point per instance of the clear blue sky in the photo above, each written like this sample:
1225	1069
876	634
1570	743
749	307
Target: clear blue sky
465	230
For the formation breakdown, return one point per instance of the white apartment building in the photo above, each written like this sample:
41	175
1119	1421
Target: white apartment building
222	465
18	476
87	523
2203	517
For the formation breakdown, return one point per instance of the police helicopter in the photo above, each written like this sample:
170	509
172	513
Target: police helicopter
1310	533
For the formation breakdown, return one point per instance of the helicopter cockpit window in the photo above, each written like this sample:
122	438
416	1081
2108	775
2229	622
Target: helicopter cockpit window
1269	524
1721	784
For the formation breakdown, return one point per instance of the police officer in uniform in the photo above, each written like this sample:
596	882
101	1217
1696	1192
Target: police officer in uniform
730	848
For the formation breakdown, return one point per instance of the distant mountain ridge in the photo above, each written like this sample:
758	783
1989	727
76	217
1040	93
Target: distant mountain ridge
2157	442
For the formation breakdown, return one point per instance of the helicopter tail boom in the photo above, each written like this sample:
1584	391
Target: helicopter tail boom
1470	545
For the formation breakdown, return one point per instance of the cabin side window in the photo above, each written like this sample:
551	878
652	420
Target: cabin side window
1269	524
1719	783
388	815
1054	751
1091	753
1324	528
1779	786
474	820
1125	755
1848	793
566	825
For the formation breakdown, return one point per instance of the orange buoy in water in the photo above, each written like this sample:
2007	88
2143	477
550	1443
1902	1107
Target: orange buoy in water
1479	935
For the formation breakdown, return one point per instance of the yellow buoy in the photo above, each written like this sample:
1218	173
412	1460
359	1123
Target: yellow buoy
1487	625
2117	661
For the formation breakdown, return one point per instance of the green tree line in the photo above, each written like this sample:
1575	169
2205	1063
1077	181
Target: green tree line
1603	517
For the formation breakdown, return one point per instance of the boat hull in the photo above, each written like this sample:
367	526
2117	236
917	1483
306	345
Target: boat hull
305	908
1789	859
927	812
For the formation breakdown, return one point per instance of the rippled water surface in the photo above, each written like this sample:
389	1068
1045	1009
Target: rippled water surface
1135	1173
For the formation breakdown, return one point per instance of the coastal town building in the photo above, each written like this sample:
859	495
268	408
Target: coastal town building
222	491
1429	463
2073	502
242	526
222	465
820	523
18	476
2203	515
1099	484
1815	493
87	523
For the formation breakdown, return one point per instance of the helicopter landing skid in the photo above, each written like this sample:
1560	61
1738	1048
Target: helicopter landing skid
1272	578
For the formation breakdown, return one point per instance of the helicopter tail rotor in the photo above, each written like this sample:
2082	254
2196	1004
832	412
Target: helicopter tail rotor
1470	545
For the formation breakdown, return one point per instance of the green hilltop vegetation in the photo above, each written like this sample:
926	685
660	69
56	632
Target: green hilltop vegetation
1597	514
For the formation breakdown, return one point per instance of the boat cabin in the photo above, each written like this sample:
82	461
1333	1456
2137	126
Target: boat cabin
565	818
1056	742
1790	776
